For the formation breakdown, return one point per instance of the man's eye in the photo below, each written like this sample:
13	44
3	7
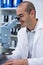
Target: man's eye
21	15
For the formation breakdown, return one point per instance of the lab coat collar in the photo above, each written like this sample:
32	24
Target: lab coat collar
39	25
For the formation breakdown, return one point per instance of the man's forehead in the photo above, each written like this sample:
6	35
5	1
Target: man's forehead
20	9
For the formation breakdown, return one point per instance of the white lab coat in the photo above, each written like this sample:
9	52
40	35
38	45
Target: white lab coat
22	48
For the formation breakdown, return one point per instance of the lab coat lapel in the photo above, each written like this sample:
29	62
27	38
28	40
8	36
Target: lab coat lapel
37	35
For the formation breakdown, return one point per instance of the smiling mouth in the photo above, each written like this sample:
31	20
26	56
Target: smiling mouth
22	22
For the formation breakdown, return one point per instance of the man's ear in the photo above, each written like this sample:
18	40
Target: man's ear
32	13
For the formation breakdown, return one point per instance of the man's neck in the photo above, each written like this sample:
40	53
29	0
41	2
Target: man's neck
32	27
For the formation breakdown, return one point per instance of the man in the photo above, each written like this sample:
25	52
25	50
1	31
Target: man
30	38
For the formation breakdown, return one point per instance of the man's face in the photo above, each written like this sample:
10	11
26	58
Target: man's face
25	18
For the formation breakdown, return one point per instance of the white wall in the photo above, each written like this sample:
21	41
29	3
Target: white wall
39	8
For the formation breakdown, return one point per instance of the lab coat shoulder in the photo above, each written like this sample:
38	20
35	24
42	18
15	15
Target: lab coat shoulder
21	35
22	31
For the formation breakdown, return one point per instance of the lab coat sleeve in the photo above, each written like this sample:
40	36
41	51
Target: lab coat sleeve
35	61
